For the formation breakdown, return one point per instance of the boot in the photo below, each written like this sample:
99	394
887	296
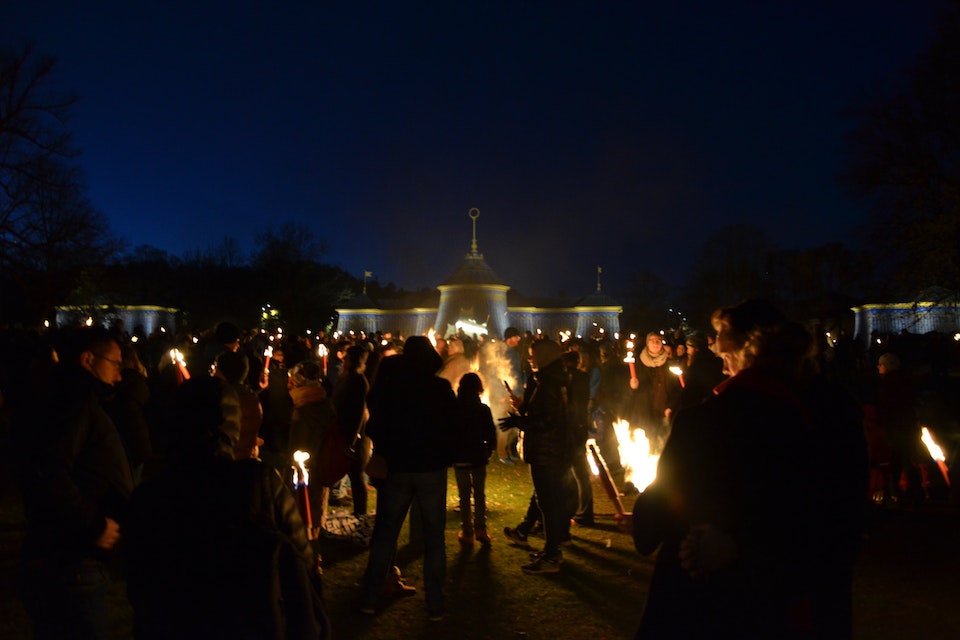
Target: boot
394	586
482	536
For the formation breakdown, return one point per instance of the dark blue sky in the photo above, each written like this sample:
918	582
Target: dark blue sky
613	133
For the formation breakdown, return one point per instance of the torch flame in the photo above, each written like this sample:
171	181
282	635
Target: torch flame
432	337
630	359
300	457
268	352
639	463
322	351
935	451
677	371
590	461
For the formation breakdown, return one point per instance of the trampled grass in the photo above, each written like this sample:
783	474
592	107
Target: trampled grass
598	594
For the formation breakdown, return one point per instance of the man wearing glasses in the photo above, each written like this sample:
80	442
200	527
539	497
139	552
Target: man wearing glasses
76	484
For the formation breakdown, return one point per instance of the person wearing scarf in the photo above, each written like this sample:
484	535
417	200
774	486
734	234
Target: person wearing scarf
656	392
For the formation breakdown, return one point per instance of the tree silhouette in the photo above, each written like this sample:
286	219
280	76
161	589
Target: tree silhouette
50	233
904	165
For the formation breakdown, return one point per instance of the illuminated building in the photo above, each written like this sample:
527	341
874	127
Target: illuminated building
476	300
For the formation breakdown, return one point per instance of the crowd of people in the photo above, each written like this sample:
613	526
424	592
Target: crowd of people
189	466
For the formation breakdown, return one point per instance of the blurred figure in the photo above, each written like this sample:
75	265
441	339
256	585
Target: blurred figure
311	423
897	419
126	409
608	404
277	410
702	373
580	368
234	368
350	404
456	364
514	376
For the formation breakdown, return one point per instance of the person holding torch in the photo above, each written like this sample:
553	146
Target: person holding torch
745	549
656	392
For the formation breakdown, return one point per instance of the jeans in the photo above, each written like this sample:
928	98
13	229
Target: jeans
397	493
67	600
472	480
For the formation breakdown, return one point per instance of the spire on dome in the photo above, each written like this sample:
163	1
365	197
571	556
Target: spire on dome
474	213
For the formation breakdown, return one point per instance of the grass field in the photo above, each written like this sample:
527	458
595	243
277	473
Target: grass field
907	582
598	594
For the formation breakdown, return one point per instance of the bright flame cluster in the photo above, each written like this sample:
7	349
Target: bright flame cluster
176	357
935	451
300	474
639	464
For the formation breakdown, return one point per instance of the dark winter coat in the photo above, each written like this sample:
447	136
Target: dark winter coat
412	414
548	432
659	390
126	409
704	372
476	436
216	547
350	403
76	470
897	417
197	566
731	462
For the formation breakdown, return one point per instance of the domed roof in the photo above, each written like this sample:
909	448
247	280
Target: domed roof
473	271
597	299
360	301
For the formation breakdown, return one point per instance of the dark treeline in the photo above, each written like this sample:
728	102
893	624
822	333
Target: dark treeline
902	167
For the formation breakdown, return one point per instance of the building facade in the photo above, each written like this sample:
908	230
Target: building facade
475	300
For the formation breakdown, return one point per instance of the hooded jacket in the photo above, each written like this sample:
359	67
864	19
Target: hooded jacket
412	411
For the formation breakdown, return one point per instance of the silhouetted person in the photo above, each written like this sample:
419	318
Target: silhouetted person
216	548
76	485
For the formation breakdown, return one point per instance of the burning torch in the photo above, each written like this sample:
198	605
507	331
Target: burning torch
176	357
630	360
936	453
677	371
301	478
323	352
267	354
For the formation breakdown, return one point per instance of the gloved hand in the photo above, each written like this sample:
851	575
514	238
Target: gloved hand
511	422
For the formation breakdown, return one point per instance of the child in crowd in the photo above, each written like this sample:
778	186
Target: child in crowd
475	440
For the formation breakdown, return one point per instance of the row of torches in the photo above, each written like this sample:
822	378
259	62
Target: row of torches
639	463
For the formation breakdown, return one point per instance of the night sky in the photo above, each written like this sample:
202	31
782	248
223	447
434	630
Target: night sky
614	133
